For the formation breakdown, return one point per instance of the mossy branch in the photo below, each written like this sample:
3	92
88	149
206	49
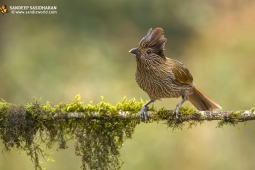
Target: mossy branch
242	115
99	129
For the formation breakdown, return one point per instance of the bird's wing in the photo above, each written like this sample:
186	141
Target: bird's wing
181	73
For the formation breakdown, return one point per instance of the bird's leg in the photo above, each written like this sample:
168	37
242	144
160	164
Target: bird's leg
143	112
178	106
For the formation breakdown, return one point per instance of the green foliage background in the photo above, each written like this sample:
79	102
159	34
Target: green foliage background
84	49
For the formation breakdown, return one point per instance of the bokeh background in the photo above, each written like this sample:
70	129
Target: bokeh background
83	49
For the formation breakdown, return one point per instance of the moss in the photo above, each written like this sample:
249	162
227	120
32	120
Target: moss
99	131
232	119
252	109
187	116
98	140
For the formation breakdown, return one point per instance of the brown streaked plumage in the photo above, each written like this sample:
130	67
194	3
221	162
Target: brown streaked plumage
162	77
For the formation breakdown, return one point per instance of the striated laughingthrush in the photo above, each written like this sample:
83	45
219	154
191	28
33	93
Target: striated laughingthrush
162	77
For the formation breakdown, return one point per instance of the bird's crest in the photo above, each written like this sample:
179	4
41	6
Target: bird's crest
154	39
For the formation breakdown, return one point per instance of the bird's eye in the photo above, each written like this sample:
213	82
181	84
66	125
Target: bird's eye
148	51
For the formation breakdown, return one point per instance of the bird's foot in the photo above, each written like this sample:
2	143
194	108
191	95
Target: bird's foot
143	113
176	112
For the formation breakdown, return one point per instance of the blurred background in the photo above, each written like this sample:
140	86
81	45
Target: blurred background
84	49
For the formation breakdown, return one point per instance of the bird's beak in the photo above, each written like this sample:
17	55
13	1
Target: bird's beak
135	51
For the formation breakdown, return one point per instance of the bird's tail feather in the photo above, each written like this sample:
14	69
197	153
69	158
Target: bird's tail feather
201	101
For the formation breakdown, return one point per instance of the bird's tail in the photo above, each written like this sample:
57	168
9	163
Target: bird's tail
201	101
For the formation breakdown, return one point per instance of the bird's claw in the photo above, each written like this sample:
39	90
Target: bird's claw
143	113
176	112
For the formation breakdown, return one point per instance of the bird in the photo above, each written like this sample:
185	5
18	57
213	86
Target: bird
162	77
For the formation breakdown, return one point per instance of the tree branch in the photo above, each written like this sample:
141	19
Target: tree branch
205	115
98	129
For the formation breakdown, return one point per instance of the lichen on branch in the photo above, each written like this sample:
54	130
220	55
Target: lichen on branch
98	129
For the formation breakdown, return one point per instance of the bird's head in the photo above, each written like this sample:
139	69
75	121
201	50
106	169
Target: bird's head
151	46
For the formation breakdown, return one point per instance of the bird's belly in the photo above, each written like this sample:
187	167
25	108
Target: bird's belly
158	87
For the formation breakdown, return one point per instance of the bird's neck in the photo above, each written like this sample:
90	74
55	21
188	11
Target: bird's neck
152	63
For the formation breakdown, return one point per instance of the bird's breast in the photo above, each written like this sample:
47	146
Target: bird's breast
157	83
